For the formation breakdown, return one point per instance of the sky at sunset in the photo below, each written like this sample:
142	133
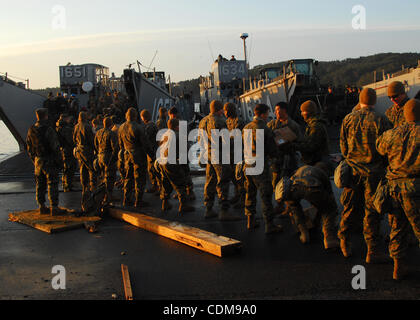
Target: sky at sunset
39	35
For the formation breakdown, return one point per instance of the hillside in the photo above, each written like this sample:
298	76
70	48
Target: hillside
358	71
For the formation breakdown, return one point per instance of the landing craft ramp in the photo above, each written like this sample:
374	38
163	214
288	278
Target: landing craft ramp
17	110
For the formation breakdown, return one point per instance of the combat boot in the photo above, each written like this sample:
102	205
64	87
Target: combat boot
185	208
374	257
271	228
225	215
56	211
345	248
252	223
400	269
331	243
166	205
210	213
304	234
43	209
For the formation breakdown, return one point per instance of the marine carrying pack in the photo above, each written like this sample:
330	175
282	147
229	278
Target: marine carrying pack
342	175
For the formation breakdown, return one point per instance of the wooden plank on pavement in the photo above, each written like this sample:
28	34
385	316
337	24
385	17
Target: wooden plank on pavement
126	282
203	240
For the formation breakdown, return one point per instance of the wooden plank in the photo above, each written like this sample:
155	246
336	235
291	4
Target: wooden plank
50	224
203	240
126	282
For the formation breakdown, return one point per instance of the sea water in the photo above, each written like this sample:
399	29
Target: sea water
8	144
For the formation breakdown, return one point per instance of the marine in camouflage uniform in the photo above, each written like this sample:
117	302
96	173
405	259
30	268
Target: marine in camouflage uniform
233	122
401	146
132	139
162	122
106	144
313	185
218	176
260	182
65	136
287	162
359	132
83	138
395	113
151	131
173	177
314	145
44	149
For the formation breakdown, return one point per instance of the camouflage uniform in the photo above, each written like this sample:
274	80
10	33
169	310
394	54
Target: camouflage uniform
106	144
287	162
261	182
359	132
65	136
132	139
151	131
314	146
173	177
232	124
313	185
401	145
43	148
83	139
395	114
218	176
162	123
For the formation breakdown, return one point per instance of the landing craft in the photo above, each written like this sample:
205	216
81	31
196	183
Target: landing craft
295	84
410	77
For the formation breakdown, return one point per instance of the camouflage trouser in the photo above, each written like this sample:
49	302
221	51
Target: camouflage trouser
87	174
261	183
152	172
189	183
323	200
218	178
238	185
353	199
109	172
173	178
69	169
283	167
406	213
46	175
135	175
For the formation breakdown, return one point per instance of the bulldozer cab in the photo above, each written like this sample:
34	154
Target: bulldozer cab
302	66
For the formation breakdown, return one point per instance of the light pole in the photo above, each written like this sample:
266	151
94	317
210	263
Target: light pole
244	36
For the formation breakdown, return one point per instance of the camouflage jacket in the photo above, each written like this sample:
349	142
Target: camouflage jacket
315	142
106	144
83	138
234	123
359	132
162	123
401	146
65	136
270	149
209	123
42	142
395	114
151	131
132	138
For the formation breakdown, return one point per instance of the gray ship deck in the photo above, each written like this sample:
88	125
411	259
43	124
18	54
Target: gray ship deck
268	267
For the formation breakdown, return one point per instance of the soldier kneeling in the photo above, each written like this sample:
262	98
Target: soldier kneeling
312	184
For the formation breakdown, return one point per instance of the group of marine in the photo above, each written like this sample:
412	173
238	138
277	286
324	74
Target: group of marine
381	152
